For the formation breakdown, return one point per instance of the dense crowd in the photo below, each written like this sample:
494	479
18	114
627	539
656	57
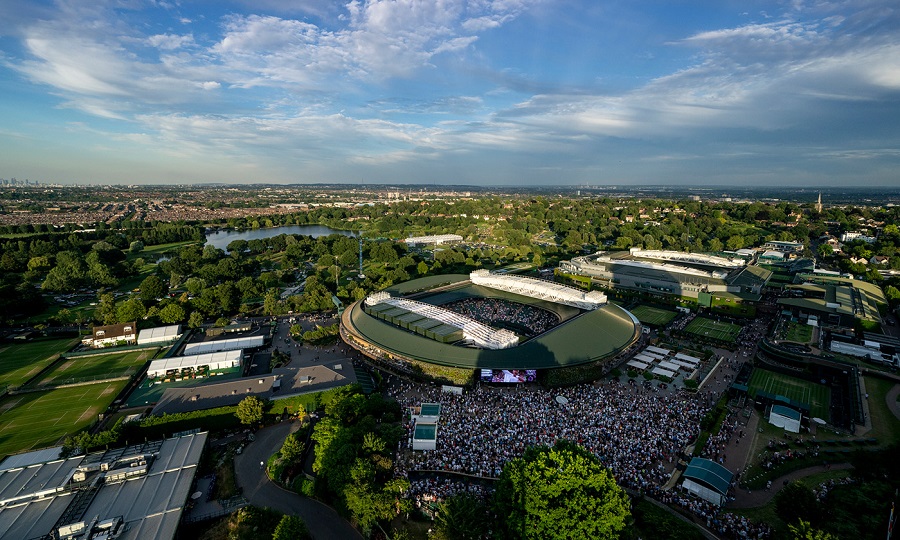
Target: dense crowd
637	433
520	318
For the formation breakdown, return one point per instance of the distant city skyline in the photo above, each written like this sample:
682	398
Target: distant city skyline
451	92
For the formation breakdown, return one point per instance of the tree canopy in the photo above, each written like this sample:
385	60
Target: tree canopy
563	492
250	410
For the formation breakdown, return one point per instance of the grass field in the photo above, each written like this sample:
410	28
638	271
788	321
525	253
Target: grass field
104	366
653	316
721	331
21	361
41	419
800	333
816	395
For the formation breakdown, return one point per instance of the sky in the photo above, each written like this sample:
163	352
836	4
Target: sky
479	92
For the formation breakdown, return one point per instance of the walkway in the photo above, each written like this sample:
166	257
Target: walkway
746	499
321	520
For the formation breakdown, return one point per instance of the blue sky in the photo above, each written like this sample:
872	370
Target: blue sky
485	92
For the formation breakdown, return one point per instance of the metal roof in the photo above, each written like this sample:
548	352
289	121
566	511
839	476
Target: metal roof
248	342
151	505
709	473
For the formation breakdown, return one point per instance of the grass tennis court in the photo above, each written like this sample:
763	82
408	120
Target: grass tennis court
104	366
653	316
816	395
41	419
21	361
722	331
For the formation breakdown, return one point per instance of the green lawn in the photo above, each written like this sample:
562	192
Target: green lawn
21	361
885	426
817	396
653	316
101	366
800	333
41	419
152	252
721	331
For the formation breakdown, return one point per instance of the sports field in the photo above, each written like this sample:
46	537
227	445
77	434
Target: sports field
722	331
21	361
816	395
41	419
95	367
653	316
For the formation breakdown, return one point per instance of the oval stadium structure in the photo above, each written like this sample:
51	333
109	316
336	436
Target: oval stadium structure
389	330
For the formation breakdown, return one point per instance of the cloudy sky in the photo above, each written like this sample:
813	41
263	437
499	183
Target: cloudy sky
486	92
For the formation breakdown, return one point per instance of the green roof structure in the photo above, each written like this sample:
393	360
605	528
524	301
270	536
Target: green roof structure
581	337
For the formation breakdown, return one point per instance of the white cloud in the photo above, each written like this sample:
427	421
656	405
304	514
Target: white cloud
168	42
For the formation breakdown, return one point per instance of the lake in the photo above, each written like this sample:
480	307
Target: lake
221	239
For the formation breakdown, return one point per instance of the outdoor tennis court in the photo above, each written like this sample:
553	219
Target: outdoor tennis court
816	395
41	419
21	361
96	367
721	331
653	316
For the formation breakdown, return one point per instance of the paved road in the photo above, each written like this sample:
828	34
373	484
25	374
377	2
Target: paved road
321	520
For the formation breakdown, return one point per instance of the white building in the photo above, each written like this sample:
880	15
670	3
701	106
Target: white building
113	334
436	239
250	342
160	334
211	361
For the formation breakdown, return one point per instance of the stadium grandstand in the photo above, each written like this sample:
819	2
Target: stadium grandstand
689	275
435	239
539	289
413	315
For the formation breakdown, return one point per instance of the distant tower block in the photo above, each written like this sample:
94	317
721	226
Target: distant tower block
819	203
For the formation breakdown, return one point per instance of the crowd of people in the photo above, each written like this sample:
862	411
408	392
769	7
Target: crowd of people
520	318
637	433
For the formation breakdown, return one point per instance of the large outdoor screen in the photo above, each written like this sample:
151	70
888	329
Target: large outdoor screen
508	375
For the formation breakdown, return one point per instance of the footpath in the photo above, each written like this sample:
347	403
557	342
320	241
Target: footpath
321	520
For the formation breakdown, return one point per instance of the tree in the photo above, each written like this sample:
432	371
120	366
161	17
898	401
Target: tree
563	492
804	531
195	320
892	293
422	268
796	501
250	410
291	528
152	288
292	448
462	517
171	314
825	251
130	310
136	247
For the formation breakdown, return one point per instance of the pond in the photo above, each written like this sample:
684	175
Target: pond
221	239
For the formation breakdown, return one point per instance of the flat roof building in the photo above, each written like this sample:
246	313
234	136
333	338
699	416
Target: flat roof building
687	275
159	334
250	342
435	239
138	492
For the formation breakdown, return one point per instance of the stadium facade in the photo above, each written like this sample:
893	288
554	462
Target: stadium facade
394	331
694	276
